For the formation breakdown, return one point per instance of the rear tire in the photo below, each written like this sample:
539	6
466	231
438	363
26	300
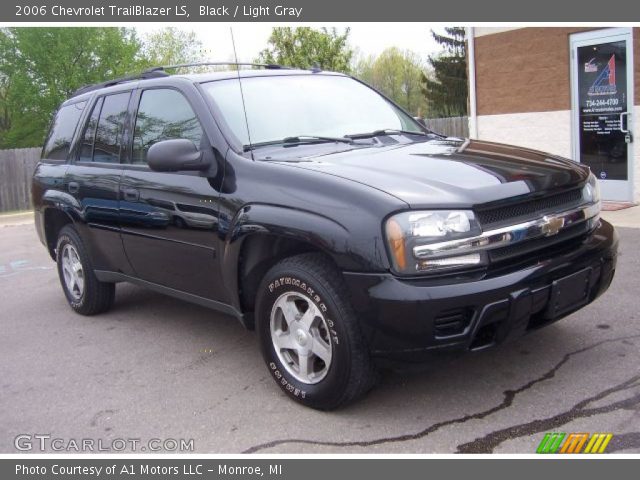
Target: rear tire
84	292
309	334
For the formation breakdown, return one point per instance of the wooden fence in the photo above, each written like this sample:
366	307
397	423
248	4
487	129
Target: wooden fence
16	169
452	126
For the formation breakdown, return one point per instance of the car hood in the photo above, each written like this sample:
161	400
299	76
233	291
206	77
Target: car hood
443	172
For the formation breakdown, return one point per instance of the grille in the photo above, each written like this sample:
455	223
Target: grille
570	235
452	322
500	215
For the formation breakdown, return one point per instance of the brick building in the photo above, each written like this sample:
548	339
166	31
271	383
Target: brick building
574	92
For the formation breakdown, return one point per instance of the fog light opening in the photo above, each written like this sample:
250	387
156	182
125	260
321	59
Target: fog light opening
449	262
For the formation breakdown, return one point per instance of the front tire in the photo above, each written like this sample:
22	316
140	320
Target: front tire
84	292
309	334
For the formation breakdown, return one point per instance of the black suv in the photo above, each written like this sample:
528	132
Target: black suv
315	210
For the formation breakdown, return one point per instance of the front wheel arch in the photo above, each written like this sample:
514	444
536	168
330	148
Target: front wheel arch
258	254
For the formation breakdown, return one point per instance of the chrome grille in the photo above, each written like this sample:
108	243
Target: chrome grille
574	234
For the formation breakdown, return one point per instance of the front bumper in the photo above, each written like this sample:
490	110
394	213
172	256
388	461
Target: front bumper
406	318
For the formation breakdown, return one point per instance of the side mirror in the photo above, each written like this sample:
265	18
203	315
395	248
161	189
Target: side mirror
175	155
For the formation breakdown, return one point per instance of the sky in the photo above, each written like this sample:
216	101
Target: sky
251	38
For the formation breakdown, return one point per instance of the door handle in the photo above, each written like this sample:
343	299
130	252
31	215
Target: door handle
622	117
628	138
131	194
73	187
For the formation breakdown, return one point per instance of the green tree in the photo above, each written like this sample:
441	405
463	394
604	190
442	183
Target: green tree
170	46
397	74
305	47
41	67
447	91
4	106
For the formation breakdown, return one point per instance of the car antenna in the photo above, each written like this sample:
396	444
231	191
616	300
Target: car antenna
244	107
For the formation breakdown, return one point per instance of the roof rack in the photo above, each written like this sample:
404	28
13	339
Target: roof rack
116	81
267	66
157	72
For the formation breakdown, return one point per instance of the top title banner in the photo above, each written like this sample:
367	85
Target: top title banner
318	11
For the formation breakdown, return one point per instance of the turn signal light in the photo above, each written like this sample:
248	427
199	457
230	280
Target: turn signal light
395	236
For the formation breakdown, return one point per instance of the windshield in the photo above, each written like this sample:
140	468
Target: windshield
281	107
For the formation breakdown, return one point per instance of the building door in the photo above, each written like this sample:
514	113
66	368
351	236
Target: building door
602	102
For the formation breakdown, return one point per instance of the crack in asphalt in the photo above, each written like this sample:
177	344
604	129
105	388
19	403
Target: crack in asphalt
509	396
490	441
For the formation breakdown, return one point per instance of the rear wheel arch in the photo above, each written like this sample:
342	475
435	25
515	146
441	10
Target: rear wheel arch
54	221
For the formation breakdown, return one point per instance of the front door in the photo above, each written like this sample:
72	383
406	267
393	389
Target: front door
170	220
602	102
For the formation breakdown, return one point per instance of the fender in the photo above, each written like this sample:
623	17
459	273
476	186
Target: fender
60	202
79	215
323	233
63	201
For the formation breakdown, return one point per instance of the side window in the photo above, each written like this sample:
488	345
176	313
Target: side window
64	125
163	114
108	136
88	139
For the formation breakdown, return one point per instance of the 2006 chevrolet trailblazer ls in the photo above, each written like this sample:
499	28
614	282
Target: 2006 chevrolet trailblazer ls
318	212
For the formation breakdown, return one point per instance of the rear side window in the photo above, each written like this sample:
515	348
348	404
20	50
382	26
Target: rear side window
88	139
58	142
163	114
102	138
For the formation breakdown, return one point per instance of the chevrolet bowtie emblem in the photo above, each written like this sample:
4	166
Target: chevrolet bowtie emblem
551	225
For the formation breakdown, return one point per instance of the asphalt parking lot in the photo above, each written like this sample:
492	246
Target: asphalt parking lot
156	367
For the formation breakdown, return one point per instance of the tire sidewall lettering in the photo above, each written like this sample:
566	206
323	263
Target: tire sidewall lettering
292	389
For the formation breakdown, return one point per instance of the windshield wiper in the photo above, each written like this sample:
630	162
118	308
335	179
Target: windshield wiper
300	140
314	138
391	131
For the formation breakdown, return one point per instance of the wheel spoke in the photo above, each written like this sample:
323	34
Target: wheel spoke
283	340
289	311
66	271
80	283
305	365
74	284
307	320
321	349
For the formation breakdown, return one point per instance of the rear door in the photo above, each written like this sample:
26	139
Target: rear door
50	173
170	220
94	178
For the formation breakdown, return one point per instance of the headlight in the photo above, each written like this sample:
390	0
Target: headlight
407	230
591	194
591	190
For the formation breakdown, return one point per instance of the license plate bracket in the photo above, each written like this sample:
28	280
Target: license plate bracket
569	293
